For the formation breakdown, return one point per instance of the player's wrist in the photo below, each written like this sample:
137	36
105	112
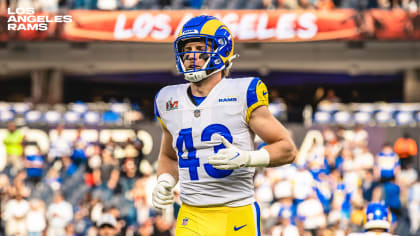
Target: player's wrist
165	177
259	158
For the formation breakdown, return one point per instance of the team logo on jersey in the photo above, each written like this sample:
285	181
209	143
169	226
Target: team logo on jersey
228	99
197	113
171	105
185	221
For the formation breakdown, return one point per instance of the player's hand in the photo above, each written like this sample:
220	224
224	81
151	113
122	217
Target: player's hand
230	157
162	195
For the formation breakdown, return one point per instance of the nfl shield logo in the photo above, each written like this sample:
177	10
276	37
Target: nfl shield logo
185	221
197	113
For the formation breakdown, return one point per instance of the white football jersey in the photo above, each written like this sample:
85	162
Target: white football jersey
225	111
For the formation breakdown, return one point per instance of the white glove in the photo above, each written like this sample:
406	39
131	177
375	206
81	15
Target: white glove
162	195
232	157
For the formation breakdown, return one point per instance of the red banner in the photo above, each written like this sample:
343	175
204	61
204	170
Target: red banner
162	26
245	25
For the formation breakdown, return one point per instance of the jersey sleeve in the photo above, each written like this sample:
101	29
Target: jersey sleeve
156	110
256	95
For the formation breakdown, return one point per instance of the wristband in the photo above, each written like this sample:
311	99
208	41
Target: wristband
260	158
165	177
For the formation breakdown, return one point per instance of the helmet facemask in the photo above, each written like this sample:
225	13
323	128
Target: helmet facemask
212	61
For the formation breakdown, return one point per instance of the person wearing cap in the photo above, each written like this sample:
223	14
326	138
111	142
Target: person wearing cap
377	221
107	225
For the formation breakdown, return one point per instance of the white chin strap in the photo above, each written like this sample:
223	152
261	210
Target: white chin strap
196	76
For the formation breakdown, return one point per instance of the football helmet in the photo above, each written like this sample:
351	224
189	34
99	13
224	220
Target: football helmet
214	34
377	217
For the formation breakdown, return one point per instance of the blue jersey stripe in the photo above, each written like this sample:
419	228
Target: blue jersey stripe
156	110
251	94
257	210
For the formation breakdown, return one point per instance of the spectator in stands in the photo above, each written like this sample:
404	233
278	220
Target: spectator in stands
35	220
368	185
365	160
236	4
317	98
305	5
15	213
414	208
340	204
68	169
59	146
357	213
411	6
48	5
92	231
311	218
79	148
351	170
129	4
82	221
116	213
69	230
387	164
161	226
303	183
150	4
107	4
22	4
59	214
106	176
13	143
406	148
129	176
325	5
108	187
81	4
268	4
390	193
107	225
4	190
360	138
19	184
285	226
139	196
52	179
34	165
3	5
397	4
332	97
274	4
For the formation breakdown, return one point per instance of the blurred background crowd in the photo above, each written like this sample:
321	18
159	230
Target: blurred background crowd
67	189
56	5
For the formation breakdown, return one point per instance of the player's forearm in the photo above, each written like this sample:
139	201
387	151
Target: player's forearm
281	152
167	165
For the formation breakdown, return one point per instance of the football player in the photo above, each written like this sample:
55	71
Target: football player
208	127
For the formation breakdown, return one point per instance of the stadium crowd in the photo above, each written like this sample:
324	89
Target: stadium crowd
55	5
72	187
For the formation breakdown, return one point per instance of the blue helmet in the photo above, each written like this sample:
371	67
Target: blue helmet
214	34
377	217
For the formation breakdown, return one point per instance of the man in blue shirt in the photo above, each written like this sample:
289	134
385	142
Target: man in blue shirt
34	164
